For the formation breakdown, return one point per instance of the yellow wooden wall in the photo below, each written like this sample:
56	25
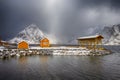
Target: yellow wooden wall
93	43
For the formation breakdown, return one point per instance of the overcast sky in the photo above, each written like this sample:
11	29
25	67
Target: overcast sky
65	19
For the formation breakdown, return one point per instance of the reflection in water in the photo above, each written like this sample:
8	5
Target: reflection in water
44	66
22	60
43	59
43	62
95	67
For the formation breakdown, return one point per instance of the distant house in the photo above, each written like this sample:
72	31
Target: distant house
91	42
44	42
23	45
3	43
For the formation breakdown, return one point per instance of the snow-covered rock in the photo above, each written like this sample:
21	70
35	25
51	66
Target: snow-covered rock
31	34
111	35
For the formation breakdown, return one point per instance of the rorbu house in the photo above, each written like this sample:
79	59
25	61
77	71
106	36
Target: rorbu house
91	42
44	42
23	45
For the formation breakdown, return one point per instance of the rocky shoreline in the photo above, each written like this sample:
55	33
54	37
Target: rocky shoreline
7	53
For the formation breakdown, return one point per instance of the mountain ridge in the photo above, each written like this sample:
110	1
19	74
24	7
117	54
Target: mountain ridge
111	34
31	34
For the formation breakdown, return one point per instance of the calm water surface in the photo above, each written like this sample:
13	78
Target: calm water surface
62	67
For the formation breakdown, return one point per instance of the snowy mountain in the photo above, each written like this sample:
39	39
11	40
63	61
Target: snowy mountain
111	35
32	34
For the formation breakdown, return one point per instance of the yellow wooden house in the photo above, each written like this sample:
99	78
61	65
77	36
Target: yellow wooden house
91	42
23	45
44	42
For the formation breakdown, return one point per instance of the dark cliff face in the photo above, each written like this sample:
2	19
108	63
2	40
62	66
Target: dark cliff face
116	28
30	34
111	34
107	32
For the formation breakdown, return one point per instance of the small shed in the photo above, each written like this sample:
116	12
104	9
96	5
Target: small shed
3	43
44	42
23	45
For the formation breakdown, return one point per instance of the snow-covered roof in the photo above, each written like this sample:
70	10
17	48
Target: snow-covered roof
44	38
23	41
88	37
3	41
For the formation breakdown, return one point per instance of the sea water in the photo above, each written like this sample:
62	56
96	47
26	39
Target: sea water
62	67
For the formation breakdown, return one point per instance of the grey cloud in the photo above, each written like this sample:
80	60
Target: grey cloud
66	19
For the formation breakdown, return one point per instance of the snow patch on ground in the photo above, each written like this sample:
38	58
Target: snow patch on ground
2	48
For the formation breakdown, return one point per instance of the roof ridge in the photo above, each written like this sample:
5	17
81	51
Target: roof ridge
93	36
